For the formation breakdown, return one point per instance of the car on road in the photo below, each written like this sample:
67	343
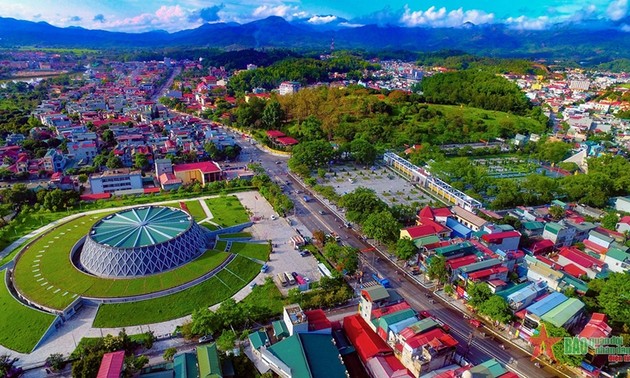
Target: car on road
475	323
252	285
322	212
206	339
274	217
304	253
278	162
264	268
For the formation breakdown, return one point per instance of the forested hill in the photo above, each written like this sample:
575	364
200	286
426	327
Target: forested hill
496	40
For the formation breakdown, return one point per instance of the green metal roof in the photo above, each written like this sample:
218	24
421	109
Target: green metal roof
423	325
387	320
322	355
431	239
376	293
512	289
479	265
280	330
533	225
290	352
578	284
208	360
618	254
491	369
185	366
454	248
563	312
554	227
139	227
258	338
601	236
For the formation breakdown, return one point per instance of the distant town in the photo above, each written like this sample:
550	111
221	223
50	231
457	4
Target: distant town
338	216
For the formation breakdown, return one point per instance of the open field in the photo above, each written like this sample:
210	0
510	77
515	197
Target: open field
212	291
253	250
46	275
21	335
227	211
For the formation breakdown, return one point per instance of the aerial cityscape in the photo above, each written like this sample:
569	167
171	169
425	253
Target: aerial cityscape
313	189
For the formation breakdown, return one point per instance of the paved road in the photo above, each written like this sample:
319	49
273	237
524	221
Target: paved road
481	349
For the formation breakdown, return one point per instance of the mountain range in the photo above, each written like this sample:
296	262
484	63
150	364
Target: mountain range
561	41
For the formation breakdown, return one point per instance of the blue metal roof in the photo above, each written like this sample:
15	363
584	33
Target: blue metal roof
546	304
458	228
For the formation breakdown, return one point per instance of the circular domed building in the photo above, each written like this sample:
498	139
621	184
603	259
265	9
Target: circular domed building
142	241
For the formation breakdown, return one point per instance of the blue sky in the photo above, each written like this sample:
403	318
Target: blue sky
173	15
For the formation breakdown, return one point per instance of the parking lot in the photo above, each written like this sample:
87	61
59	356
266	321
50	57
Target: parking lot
284	257
390	187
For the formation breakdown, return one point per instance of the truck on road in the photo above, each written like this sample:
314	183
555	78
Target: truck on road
382	280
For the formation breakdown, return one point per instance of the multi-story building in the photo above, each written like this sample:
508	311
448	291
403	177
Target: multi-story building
115	180
288	87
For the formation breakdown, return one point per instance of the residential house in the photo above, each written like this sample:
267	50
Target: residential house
115	180
374	297
560	235
624	224
54	160
112	365
597	242
288	87
428	351
202	172
596	328
533	228
525	296
506	241
622	204
538	271
578	263
208	361
617	260
257	340
535	311
82	151
566	315
468	219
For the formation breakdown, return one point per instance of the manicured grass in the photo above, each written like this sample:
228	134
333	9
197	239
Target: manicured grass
22	326
212	291
195	209
253	250
227	211
209	226
266	296
220	246
236	235
50	279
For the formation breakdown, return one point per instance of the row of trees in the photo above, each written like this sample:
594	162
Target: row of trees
272	192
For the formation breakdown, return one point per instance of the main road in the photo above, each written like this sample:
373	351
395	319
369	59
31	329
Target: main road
477	345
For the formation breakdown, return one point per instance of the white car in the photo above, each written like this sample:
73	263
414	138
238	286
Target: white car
274	217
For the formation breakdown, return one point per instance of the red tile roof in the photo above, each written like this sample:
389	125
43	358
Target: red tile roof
275	134
317	320
625	219
151	190
420	231
596	327
387	310
580	258
94	197
367	343
487	272
573	270
111	365
595	247
287	141
435	338
540	246
461	261
203	166
499	236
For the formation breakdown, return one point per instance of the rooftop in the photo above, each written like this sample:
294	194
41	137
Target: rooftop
140	226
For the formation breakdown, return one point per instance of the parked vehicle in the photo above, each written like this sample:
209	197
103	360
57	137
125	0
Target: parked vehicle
475	323
282	279
289	278
382	280
205	339
264	268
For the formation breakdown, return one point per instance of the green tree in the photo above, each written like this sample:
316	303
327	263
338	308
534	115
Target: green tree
437	269
610	220
558	348
381	226
56	362
213	151
82	178
496	308
141	161
405	249
556	212
478	293
226	341
114	162
553	151
614	297
360	203
273	115
314	154
169	353
363	151
311	129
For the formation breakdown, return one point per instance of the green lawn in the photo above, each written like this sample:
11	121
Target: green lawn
220	246
49	278
267	296
253	250
226	283
227	211
22	326
195	209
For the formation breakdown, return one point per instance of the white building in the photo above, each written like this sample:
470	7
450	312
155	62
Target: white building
288	87
115	180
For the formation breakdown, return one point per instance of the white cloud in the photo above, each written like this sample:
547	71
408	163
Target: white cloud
526	23
625	28
617	9
283	10
318	20
442	18
350	25
169	18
